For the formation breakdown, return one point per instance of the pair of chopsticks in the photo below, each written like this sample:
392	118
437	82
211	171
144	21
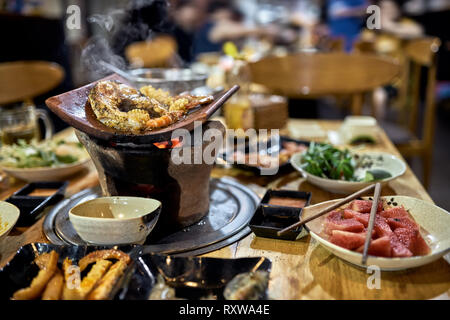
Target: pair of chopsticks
340	203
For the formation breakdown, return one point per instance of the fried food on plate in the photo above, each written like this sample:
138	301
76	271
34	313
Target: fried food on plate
54	287
103	255
93	277
107	283
39	283
72	281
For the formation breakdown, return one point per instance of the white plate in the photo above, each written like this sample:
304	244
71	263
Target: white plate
9	214
46	173
435	229
390	163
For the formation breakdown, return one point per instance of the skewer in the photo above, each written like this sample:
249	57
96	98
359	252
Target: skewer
328	209
373	212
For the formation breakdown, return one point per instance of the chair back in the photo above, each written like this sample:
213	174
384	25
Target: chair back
156	53
422	54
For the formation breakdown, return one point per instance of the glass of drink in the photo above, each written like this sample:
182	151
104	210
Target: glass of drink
22	123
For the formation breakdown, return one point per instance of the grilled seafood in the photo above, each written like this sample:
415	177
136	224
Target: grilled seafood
124	108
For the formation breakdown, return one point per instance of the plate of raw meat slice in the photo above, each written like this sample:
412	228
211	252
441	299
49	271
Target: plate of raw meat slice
408	232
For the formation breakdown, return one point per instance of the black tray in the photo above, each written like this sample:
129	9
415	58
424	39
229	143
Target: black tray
31	206
269	218
194	277
282	169
19	272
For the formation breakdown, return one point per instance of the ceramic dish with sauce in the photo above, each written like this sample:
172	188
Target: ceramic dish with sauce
115	220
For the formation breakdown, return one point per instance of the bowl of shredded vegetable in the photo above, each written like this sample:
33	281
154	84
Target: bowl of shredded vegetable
48	160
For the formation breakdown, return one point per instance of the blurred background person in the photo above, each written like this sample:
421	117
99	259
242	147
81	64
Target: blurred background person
346	19
186	16
225	23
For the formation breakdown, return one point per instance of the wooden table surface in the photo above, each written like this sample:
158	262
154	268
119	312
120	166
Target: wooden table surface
301	269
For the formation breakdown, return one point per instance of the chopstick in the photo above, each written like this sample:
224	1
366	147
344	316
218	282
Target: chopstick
373	212
338	204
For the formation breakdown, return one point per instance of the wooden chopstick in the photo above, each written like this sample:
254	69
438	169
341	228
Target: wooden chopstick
328	209
373	213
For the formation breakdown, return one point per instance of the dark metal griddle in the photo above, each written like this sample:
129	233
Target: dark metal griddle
232	205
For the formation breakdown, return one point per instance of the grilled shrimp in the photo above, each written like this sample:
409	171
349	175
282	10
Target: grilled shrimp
164	121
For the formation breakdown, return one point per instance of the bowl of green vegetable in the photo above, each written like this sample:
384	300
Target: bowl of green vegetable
48	160
343	172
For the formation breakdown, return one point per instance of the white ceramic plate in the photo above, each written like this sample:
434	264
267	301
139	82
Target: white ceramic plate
435	229
388	162
9	214
46	173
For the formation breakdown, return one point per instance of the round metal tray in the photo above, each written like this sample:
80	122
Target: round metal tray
232	205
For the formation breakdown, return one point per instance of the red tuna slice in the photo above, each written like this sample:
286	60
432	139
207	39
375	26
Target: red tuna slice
404	223
397	212
335	215
381	227
407	237
364	206
412	240
398	249
348	240
380	247
360	217
422	247
350	225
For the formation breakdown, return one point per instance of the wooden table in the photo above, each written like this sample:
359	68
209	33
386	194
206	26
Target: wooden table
303	269
311	75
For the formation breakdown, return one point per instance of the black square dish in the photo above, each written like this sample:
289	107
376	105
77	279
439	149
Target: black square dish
268	220
290	194
31	206
190	277
271	218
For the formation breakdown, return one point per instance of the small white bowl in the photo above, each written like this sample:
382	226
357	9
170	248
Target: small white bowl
358	126
434	225
390	163
9	214
115	220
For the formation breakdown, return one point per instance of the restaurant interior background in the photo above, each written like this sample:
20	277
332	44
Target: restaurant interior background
193	33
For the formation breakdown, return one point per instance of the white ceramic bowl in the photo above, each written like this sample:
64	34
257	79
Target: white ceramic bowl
9	214
435	229
390	163
115	220
46	173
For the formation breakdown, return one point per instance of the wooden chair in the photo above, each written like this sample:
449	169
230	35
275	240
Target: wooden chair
156	53
420	54
24	80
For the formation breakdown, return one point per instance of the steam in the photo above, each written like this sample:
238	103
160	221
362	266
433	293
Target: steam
96	50
117	29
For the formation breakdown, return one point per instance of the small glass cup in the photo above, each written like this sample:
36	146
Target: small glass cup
22	123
